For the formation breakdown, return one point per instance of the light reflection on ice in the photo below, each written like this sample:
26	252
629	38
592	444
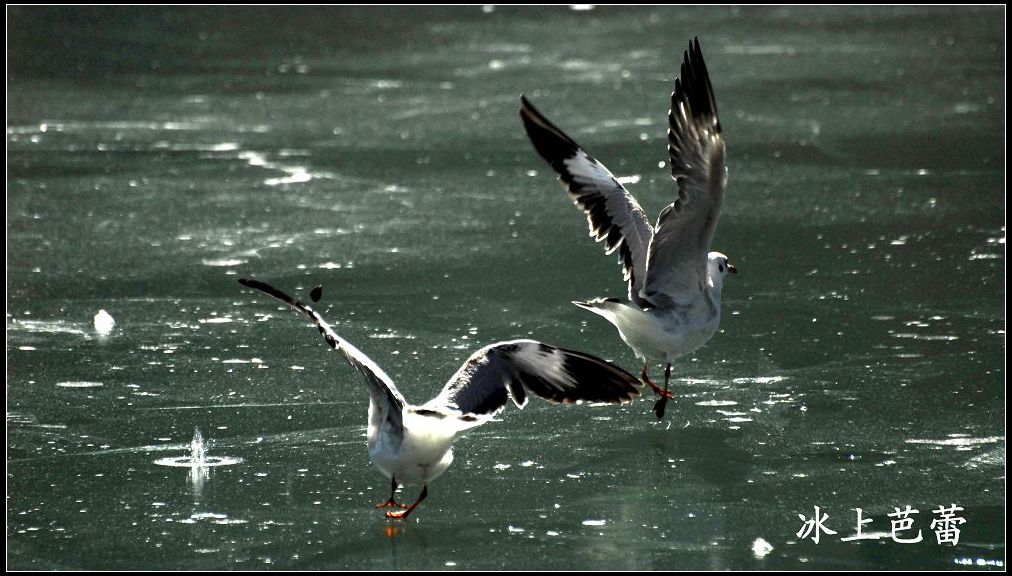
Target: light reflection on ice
760	380
717	403
958	442
930	337
215	320
223	262
47	326
992	458
81	384
294	174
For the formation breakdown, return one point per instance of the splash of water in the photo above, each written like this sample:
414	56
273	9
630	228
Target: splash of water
198	452
198	458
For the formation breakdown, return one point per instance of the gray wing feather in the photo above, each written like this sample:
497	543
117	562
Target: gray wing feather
676	265
381	387
513	370
612	213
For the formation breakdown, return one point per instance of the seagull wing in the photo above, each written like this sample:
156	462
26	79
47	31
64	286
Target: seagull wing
612	213
513	370
676	266
381	388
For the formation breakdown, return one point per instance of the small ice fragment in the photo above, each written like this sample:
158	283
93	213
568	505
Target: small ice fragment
761	548
104	323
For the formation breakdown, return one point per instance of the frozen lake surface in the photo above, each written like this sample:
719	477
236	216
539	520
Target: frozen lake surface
155	155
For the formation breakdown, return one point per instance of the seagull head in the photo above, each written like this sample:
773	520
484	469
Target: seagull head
718	266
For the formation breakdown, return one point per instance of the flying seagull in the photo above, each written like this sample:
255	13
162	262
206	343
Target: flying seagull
674	280
414	444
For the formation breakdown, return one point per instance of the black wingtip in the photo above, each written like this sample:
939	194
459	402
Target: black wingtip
693	85
551	143
255	284
602	380
530	114
273	292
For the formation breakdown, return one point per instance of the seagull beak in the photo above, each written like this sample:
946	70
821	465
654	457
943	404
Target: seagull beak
731	268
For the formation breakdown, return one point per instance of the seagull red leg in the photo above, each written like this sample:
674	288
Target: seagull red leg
665	394
646	379
404	513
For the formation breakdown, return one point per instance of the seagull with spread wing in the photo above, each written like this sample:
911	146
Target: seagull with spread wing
414	444
674	280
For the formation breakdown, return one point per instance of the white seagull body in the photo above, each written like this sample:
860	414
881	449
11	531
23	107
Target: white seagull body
414	444
674	280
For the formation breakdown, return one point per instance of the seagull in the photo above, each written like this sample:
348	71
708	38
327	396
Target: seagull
674	280
414	444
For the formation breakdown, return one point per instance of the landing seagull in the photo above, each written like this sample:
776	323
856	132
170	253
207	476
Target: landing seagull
414	444
674	281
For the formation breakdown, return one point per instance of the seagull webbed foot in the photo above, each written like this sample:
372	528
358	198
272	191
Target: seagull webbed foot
391	503
399	514
402	514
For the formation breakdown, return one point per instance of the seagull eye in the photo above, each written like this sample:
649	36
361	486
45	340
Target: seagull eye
721	267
